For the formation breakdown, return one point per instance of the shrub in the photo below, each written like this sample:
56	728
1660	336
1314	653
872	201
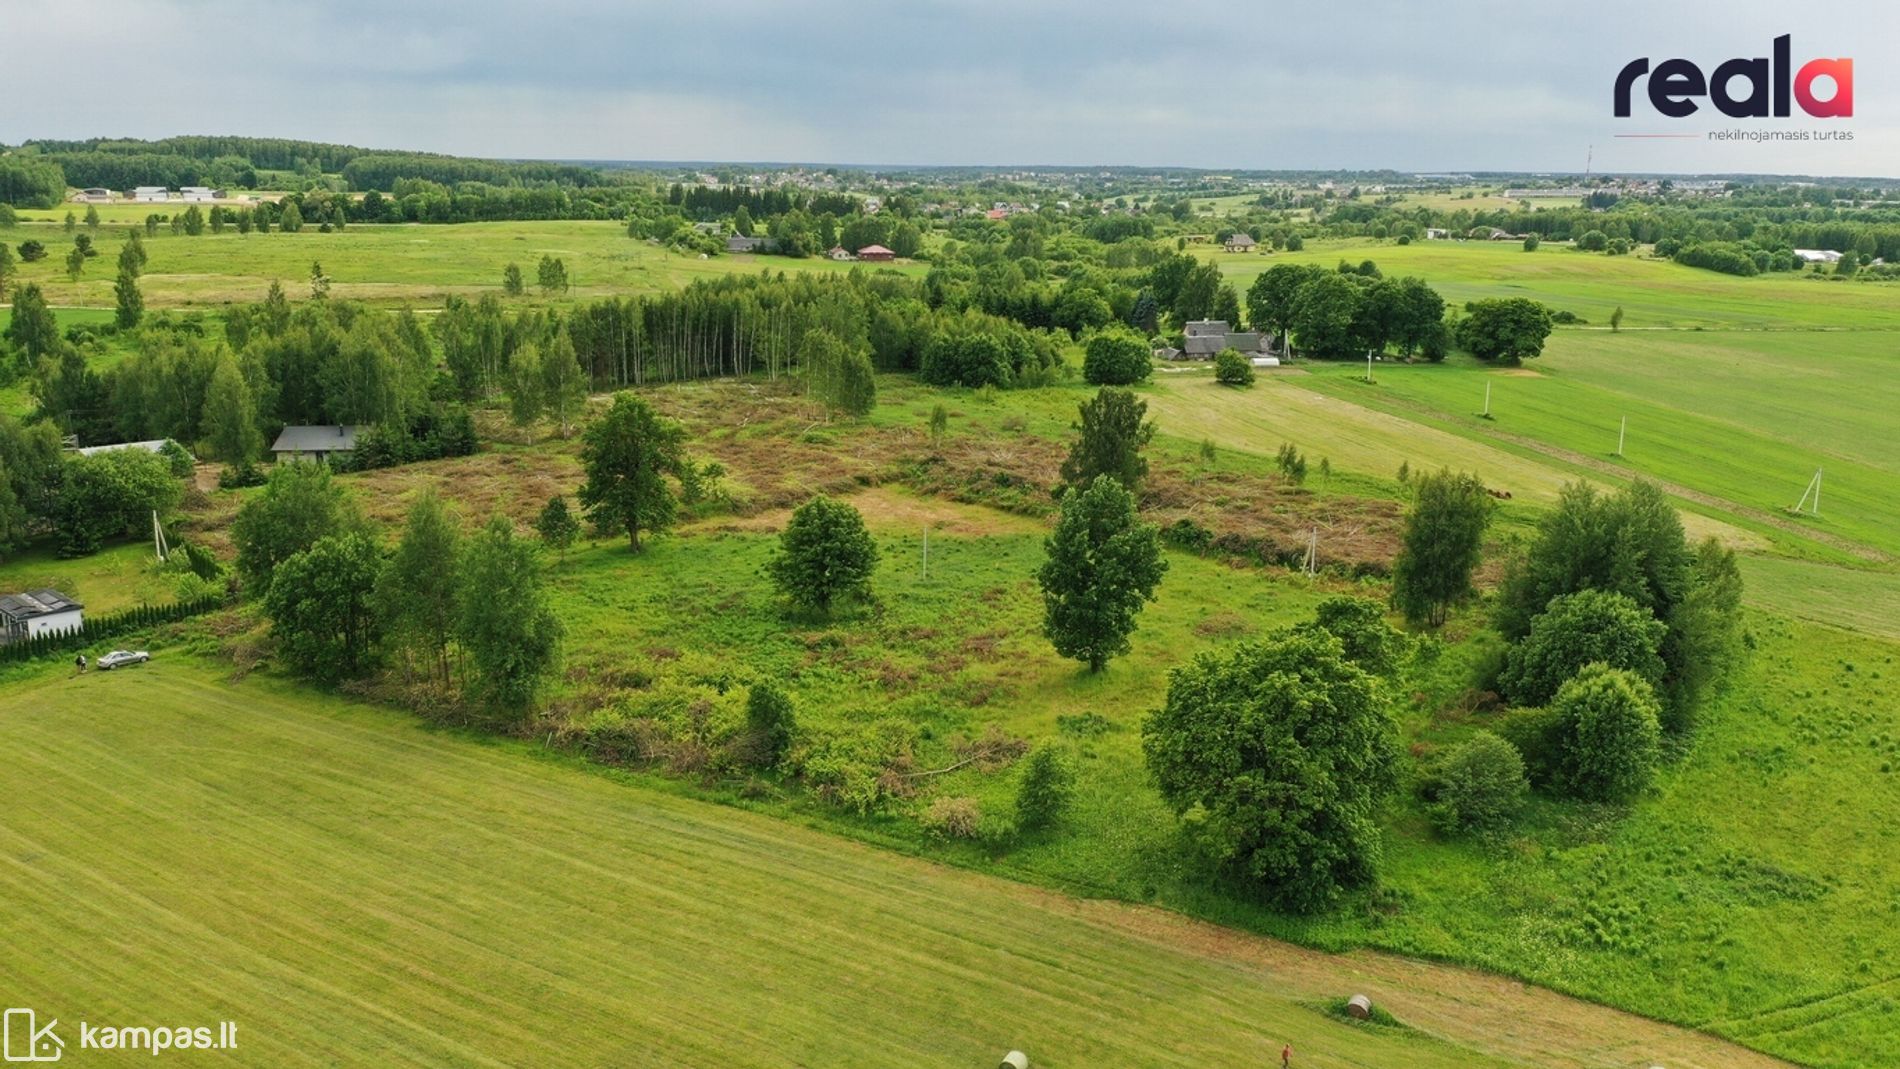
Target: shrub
1593	241
1608	734
1578	629
1043	793
953	818
1479	787
1359	625
771	723
1116	358
1233	369
824	555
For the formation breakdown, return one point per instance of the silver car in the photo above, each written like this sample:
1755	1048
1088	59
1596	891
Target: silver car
122	657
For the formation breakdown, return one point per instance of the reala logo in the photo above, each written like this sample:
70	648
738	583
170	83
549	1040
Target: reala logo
1675	83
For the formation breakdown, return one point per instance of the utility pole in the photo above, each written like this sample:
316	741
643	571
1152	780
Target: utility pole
1622	433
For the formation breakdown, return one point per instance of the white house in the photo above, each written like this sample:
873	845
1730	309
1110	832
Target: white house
151	195
38	612
313	443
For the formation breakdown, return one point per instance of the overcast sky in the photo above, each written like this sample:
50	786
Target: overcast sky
1454	85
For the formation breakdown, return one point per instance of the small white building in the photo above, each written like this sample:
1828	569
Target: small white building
151	195
38	612
1817	256
199	194
1434	233
313	443
93	195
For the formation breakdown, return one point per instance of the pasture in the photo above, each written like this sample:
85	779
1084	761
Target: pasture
350	886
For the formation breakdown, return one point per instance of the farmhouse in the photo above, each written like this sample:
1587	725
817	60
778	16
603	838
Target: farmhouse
876	254
840	253
151	194
313	443
38	612
742	243
1204	338
1240	242
94	195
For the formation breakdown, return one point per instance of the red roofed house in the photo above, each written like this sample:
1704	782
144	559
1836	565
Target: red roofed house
876	254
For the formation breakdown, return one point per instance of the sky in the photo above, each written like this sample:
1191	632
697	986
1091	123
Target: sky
1453	85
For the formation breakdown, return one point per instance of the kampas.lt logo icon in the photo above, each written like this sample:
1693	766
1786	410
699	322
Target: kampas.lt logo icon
27	1040
1771	82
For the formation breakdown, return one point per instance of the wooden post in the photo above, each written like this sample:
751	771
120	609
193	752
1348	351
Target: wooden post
1487	400
1622	433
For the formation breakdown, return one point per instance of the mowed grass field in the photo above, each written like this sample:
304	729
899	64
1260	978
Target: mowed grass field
352	889
395	263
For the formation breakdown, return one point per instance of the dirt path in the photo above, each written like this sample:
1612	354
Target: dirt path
1493	1014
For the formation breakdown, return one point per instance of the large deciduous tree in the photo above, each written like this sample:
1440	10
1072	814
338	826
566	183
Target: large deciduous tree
1442	543
300	505
824	555
628	454
508	633
321	607
1505	329
419	594
1103	564
1110	433
1278	753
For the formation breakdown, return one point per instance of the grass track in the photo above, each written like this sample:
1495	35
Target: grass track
356	890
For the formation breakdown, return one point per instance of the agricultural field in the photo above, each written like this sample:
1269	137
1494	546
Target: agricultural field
521	907
409	263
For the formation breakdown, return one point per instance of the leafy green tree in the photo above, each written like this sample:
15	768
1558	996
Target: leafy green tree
1479	786
525	384
839	375
319	282
1270	300
770	722
1593	241
1323	315
1531	242
321	607
132	255
557	526
1116	358
906	239
1608	734
1291	462
824	555
1364	636
92	217
32	251
1279	754
1630	542
1103	563
1705	642
291	219
75	263
628	453
1110	435
1590	626
1233	369
111	495
1508	329
1441	545
1616	320
72	222
300	505
6	268
742	222
129	303
508	634
418	596
1044	790
229	419
939	424
76	398
551	274
511	283
194	221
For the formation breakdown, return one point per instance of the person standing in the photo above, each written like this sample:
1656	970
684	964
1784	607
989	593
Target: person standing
1286	1056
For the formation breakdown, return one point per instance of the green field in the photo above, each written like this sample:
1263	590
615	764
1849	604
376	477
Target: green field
354	890
393	263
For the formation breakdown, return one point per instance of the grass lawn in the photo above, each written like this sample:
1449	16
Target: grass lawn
348	886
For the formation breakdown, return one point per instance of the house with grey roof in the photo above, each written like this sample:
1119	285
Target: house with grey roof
38	612
742	243
1240	241
1203	339
314	443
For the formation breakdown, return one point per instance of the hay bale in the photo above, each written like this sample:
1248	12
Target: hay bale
1359	1006
1015	1059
